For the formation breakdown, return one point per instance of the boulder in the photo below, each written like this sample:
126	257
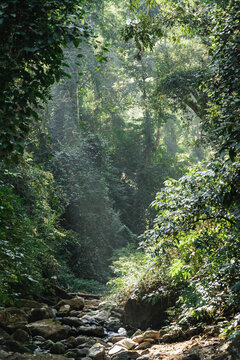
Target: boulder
151	334
127	343
72	321
142	314
21	335
49	329
4	336
71	342
76	303
126	355
97	351
138	339
116	349
39	314
58	348
30	304
91	330
64	310
18	356
12	317
15	346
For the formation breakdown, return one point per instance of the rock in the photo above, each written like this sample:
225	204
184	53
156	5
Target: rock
49	329
76	303
97	351
77	353
116	339
30	304
21	336
71	342
233	346
18	356
52	313
192	331
61	293
4	354
138	339
107	305
115	350
144	345
91	330
4	336
191	357
47	344
126	355
141	314
112	324
39	314
12	317
38	338
58	348
168	338
82	339
211	330
122	331
127	343
102	316
15	346
64	310
72	321
151	334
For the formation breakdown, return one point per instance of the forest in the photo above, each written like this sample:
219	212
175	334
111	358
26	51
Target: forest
119	156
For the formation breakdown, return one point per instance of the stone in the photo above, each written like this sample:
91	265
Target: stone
106	305
116	349
142	314
39	314
233	347
38	338
31	304
127	343
52	313
58	348
47	344
191	357
15	346
168	338
102	316
122	331
37	357
138	338
115	339
72	321
126	355
112	324
21	336
12	317
77	353
91	330
49	329
64	310
76	303
82	339
144	345
71	342
4	336
151	334
97	351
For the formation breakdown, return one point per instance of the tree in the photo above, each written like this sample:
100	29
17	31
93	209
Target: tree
33	34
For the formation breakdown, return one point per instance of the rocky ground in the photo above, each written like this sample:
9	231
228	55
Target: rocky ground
84	327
